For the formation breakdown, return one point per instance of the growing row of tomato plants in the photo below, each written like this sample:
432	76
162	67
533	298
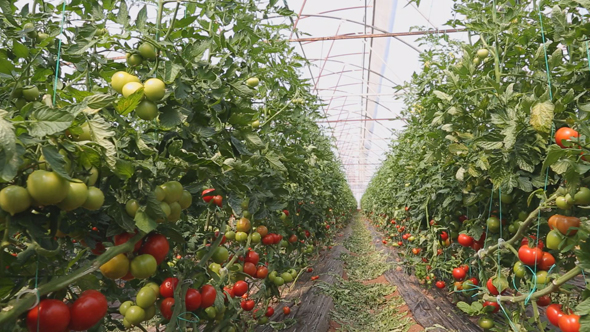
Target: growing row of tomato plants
485	188
184	184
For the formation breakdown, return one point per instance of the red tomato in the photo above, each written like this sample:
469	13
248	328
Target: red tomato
494	305
157	246
218	200
192	299
465	267
50	315
230	291
166	307
293	238
168	286
307	233
439	252
465	240
564	133
309	269
223	239
476	246
530	256
206	197
553	313
546	262
252	257
474	281
315	277
88	310
240	288
269	312
250	269
98	249
444	236
286	212
493	290
261	272
399	243
268	239
208	295
569	323
124	237
278	238
459	273
525	241
440	284
544	301
462	218
247	305
286	310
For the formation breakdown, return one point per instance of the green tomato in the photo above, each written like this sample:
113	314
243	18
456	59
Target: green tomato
241	237
124	306
220	255
287	276
553	240
293	273
153	286
214	267
230	235
143	266
150	312
582	197
411	238
211	312
486	323
542	277
255	237
522	215
493	224
272	275
263	320
507	199
126	324
562	203
519	269
278	281
283	243
135	315
146	297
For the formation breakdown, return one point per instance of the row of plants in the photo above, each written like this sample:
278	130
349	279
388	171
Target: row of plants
184	184
485	189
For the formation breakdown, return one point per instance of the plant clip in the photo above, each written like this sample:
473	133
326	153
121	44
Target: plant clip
35	291
501	243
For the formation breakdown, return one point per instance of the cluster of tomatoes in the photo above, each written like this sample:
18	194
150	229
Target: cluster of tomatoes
56	316
153	90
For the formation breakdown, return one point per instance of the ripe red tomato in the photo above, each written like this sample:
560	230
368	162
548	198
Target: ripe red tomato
124	237
564	133
192	299
206	197
490	285
525	241
439	252
99	249
208	295
293	238
440	284
247	305
476	246
462	218
546	262
157	246
87	310
269	312
399	243
529	256
223	239
569	323
218	200
553	313
459	273
444	236
252	257
474	281
50	315
465	240
261	272
230	291
166	307
168	286
240	288
250	269
286	310
493	305
544	301
268	239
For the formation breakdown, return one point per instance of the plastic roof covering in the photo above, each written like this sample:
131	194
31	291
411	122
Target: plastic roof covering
355	77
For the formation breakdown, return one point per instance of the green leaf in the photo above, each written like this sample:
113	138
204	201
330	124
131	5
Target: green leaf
101	133
125	106
584	3
583	308
8	149
121	218
254	139
443	96
7	10
56	160
6	285
144	222
20	50
241	147
171	117
45	121
242	89
465	307
123	14
274	161
170	71
559	22
141	18
235	202
542	116
124	169
99	101
89	281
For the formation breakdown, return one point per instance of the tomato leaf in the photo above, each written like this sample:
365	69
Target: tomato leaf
542	116
141	18
45	121
125	106
123	14
274	161
56	160
9	158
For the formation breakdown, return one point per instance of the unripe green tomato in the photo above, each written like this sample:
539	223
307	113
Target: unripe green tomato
542	277
126	324
287	277
241	236
522	215
519	269
124	306
553	240
272	275
146	297
411	238
562	203
211	312
214	267
135	315
150	312
278	281
247	214
263	320
255	237
230	235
